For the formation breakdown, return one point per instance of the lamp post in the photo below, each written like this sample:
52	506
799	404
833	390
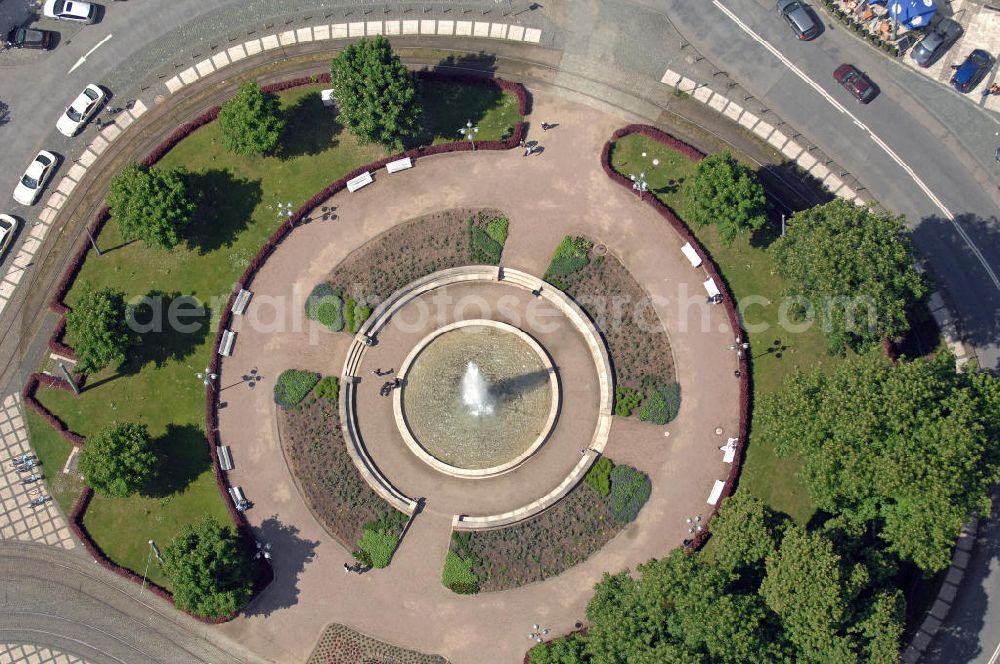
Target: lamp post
284	210
639	183
469	132
206	377
739	347
263	551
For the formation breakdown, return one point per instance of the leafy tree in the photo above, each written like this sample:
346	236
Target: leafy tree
852	266
209	570
150	204
742	532
909	450
251	122
375	93
726	193
98	328
119	460
561	651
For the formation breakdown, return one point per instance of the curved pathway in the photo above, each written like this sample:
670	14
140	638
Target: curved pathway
563	190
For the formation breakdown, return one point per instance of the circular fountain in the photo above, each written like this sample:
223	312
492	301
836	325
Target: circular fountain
478	397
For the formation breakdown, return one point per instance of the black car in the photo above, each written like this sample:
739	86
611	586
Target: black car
30	38
798	18
972	71
936	42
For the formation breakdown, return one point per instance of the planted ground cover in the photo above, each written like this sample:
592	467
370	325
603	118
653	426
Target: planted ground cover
552	542
749	271
334	490
407	252
636	339
340	644
237	211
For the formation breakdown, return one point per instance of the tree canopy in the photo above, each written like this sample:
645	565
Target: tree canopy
252	121
853	267
150	204
209	570
375	94
793	598
98	328
119	460
909	449
727	194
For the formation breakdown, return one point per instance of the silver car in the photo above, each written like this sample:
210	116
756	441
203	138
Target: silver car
798	18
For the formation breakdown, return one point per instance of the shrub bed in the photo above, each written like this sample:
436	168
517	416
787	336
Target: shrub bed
562	536
620	308
292	387
335	492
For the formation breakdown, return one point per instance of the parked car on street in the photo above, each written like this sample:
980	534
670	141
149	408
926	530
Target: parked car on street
799	19
70	10
937	41
30	186
31	38
80	111
8	228
972	71
856	82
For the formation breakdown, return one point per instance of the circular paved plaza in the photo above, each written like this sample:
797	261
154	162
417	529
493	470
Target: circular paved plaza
561	191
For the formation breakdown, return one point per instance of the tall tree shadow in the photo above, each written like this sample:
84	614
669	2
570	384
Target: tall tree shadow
182	456
310	128
290	553
959	271
167	326
447	106
224	206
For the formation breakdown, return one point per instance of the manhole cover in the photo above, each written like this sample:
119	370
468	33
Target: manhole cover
601	250
718	431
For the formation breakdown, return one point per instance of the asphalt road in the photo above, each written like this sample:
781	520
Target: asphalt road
615	50
62	600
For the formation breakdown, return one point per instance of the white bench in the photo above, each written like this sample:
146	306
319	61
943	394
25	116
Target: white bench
327	97
225	457
712	288
242	300
399	165
713	497
356	183
691	255
227	343
236	493
729	450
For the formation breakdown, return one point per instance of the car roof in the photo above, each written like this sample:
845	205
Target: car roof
948	27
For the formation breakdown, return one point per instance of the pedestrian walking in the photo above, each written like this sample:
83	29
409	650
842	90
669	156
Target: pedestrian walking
347	568
527	151
545	126
995	89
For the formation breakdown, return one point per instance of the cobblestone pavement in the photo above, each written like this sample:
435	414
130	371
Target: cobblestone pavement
18	518
24	653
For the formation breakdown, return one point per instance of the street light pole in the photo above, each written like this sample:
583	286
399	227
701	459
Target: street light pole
639	183
93	242
69	379
206	377
470	132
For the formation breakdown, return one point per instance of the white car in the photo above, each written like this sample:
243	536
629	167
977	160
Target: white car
80	111
28	189
70	10
8	227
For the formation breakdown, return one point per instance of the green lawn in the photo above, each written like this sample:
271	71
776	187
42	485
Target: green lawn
53	450
776	352
157	386
448	107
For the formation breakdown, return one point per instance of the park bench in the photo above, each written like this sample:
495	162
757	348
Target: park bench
713	497
691	255
326	96
712	288
356	183
227	343
399	165
225	457
239	499
242	300
729	450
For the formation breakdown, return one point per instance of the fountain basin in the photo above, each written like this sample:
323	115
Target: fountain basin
476	421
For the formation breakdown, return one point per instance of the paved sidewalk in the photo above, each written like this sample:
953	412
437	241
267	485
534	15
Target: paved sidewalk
18	519
562	190
24	653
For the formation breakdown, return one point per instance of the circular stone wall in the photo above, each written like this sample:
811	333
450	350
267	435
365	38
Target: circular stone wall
478	398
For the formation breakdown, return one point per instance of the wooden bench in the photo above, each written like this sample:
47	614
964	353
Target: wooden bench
241	302
713	497
399	165
227	343
225	457
356	183
691	255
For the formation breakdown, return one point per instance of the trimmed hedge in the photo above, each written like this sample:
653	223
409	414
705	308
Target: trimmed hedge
292	387
662	404
327	388
457	575
599	476
572	254
626	400
630	489
380	539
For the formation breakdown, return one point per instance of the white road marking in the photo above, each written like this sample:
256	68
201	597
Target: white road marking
878	141
84	58
996	656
